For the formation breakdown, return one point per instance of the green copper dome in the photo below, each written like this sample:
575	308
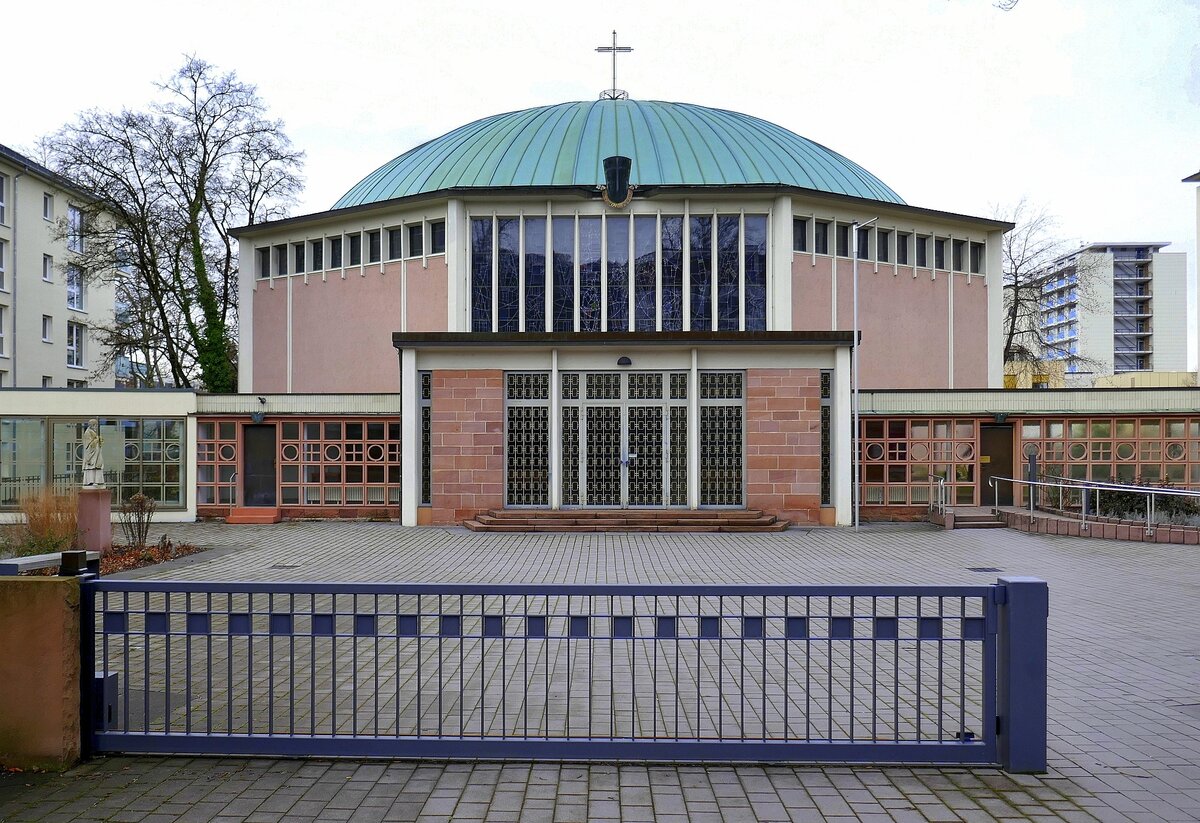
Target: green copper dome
672	144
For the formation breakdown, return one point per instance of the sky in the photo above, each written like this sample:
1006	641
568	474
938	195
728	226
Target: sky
1089	108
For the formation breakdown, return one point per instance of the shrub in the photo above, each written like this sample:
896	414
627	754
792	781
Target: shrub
136	514
1168	508
51	524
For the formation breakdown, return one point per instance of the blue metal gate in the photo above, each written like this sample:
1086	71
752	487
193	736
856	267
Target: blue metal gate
646	672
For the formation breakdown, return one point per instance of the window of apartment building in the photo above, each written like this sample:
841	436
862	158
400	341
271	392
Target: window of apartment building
47	381
799	234
821	237
939	253
264	261
373	246
75	344
902	248
3	269
395	244
47	268
416	240
864	244
2	310
922	251
883	245
47	328
959	254
47	206
298	258
977	260
281	254
843	240
354	249
335	252
3	379
437	237
75	288
318	254
74	228
76	384
3	197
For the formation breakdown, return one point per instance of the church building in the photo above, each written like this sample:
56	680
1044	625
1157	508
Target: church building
612	304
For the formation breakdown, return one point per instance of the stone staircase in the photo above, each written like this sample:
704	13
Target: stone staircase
625	520
246	515
977	519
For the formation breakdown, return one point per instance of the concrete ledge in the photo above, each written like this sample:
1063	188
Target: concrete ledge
1104	528
39	672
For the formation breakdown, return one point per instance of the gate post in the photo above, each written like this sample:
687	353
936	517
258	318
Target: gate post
1024	606
76	564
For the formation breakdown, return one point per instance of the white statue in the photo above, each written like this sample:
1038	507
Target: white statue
93	459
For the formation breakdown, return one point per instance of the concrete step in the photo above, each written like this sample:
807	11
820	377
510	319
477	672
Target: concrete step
646	514
624	520
246	515
979	524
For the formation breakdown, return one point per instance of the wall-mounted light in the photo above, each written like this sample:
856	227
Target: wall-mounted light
624	361
1000	417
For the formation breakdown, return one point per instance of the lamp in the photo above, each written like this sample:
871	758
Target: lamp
624	361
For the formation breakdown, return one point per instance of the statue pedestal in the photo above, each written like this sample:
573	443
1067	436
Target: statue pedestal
95	520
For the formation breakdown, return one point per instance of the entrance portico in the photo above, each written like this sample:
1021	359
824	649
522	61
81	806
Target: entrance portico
663	420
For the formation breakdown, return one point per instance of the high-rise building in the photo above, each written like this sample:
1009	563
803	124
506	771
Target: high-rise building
47	304
1112	308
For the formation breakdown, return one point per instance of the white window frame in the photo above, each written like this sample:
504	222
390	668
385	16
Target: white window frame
3	198
47	206
74	228
77	384
75	288
3	270
2	309
47	329
75	345
47	381
47	269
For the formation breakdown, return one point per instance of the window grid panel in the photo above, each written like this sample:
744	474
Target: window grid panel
901	458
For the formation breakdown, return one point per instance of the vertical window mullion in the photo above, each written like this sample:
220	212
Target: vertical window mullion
603	272
658	271
521	270
495	272
741	270
686	252
575	266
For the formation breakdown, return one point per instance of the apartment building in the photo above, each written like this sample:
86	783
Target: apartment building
47	309
1114	308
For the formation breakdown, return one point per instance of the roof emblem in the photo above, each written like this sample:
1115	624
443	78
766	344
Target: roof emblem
614	93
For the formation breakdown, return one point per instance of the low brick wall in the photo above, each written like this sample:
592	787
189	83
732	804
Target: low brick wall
1103	528
467	443
783	443
39	672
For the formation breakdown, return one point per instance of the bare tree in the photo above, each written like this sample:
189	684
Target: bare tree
1029	253
169	183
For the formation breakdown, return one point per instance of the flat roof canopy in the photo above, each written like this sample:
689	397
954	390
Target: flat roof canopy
428	340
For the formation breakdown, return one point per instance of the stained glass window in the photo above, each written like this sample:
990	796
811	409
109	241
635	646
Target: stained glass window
508	290
645	275
535	274
701	263
756	272
672	273
564	273
481	274
727	272
589	274
618	274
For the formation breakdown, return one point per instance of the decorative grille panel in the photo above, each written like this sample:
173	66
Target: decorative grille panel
826	438
678	468
570	386
528	480
721	445
570	452
605	386
643	386
679	386
603	454
528	386
726	385
646	441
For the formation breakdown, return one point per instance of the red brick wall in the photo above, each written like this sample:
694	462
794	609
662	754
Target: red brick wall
467	443
783	443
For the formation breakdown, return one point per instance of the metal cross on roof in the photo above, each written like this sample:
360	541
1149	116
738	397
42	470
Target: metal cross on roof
614	93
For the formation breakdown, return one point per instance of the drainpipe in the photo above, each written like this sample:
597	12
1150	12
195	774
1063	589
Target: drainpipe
12	351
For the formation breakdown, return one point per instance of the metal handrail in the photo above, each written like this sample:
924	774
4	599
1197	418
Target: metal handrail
938	496
1091	485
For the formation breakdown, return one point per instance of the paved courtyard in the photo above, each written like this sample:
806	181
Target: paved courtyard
1124	686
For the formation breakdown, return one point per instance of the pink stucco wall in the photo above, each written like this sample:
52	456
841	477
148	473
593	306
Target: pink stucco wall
270	337
341	333
905	321
970	315
427	287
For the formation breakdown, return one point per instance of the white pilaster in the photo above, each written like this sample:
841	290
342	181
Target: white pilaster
458	236
245	318
693	429
843	471
779	266
994	282
410	437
